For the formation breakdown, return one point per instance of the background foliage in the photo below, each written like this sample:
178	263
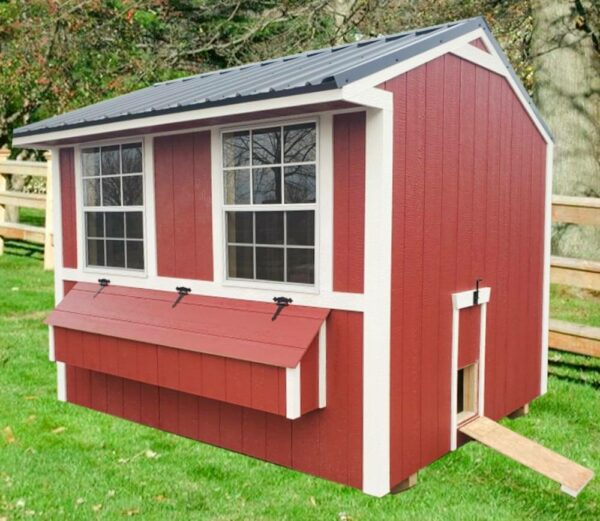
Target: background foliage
58	55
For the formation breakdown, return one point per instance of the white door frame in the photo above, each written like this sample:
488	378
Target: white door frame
462	300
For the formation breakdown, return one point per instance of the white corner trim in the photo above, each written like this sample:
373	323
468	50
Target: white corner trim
323	365
61	373
484	59
377	295
546	273
293	392
51	350
180	117
61	381
462	300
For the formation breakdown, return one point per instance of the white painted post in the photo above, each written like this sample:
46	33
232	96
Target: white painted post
4	153
49	217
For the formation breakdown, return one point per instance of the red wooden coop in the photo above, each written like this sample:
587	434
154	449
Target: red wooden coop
392	196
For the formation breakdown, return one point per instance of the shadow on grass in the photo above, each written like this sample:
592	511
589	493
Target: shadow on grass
24	249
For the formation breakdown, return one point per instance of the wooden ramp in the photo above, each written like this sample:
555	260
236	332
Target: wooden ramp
571	476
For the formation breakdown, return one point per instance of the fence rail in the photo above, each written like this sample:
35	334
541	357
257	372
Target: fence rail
11	175
580	273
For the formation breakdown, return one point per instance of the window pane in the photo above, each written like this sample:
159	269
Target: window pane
91	192
94	224
269	227
301	228
237	186
111	191
236	149
115	225
300	184
131	157
266	146
134	225
269	263
133	193
95	252
301	265
239	260
90	158
115	254
135	255
267	185
300	143
110	160
239	227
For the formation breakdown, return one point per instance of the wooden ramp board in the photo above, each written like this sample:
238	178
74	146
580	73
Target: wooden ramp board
571	476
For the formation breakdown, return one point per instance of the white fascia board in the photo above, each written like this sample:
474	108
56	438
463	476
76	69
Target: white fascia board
38	140
546	272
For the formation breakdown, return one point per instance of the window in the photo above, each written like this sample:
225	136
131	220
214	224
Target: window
269	178
113	203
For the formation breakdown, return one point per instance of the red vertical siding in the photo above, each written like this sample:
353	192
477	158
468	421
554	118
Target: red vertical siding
349	131
182	178
68	207
326	443
468	202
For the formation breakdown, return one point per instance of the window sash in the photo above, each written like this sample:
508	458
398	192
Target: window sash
122	208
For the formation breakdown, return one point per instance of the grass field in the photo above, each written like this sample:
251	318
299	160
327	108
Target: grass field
62	462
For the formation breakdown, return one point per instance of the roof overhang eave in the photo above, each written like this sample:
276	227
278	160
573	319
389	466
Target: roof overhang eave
47	138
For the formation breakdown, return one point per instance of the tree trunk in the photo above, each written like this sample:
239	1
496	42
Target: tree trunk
567	83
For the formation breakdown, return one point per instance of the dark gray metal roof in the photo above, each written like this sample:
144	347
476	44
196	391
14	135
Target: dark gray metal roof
311	71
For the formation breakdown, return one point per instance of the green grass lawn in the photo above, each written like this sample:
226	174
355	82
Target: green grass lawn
61	462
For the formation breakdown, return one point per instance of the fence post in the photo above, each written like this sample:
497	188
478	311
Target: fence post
4	153
49	218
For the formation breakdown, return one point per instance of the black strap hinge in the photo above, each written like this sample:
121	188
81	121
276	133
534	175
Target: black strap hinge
183	291
281	302
476	292
103	283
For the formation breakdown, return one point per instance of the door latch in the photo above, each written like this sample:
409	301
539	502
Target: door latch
183	291
281	302
476	292
103	283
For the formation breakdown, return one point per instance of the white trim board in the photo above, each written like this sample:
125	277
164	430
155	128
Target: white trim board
463	300
61	372
546	272
185	116
377	298
293	392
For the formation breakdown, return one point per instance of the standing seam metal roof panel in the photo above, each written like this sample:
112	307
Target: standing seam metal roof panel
311	71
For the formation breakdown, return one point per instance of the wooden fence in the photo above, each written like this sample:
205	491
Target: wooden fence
12	175
580	273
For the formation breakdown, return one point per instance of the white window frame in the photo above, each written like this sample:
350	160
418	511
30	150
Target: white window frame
81	209
282	207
